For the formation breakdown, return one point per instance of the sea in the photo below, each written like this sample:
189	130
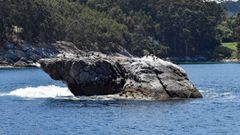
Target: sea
31	103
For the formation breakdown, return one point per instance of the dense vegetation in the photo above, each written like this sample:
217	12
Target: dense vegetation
229	31
51	20
160	27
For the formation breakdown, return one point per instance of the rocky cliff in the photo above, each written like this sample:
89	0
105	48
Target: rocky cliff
138	78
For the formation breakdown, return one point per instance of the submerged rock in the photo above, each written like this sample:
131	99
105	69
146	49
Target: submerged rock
138	78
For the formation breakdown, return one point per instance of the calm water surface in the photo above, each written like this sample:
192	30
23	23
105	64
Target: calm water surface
33	104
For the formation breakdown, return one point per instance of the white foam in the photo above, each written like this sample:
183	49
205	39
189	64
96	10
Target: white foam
36	64
93	98
64	54
224	96
229	96
55	92
2	94
39	92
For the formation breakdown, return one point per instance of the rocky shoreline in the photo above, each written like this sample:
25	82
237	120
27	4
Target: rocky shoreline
21	54
200	59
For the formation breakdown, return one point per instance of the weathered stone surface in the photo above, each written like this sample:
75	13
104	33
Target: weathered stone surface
13	53
87	76
138	78
23	54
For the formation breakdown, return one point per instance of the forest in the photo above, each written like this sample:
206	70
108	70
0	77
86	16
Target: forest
165	28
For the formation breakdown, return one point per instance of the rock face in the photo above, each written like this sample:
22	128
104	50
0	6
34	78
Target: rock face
22	54
138	78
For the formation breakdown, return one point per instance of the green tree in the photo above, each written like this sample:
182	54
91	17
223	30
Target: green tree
160	27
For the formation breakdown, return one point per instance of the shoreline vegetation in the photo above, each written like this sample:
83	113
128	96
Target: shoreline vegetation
167	29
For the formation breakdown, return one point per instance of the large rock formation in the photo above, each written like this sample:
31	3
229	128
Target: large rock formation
98	74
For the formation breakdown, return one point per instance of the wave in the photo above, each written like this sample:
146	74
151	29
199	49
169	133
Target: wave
224	96
55	92
50	91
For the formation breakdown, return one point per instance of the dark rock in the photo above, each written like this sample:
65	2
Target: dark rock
10	56
8	45
26	47
23	54
19	53
150	78
82	75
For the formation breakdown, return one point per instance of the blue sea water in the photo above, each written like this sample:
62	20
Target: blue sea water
33	104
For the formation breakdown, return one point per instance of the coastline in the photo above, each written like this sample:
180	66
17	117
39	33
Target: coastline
205	61
223	61
231	60
32	65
